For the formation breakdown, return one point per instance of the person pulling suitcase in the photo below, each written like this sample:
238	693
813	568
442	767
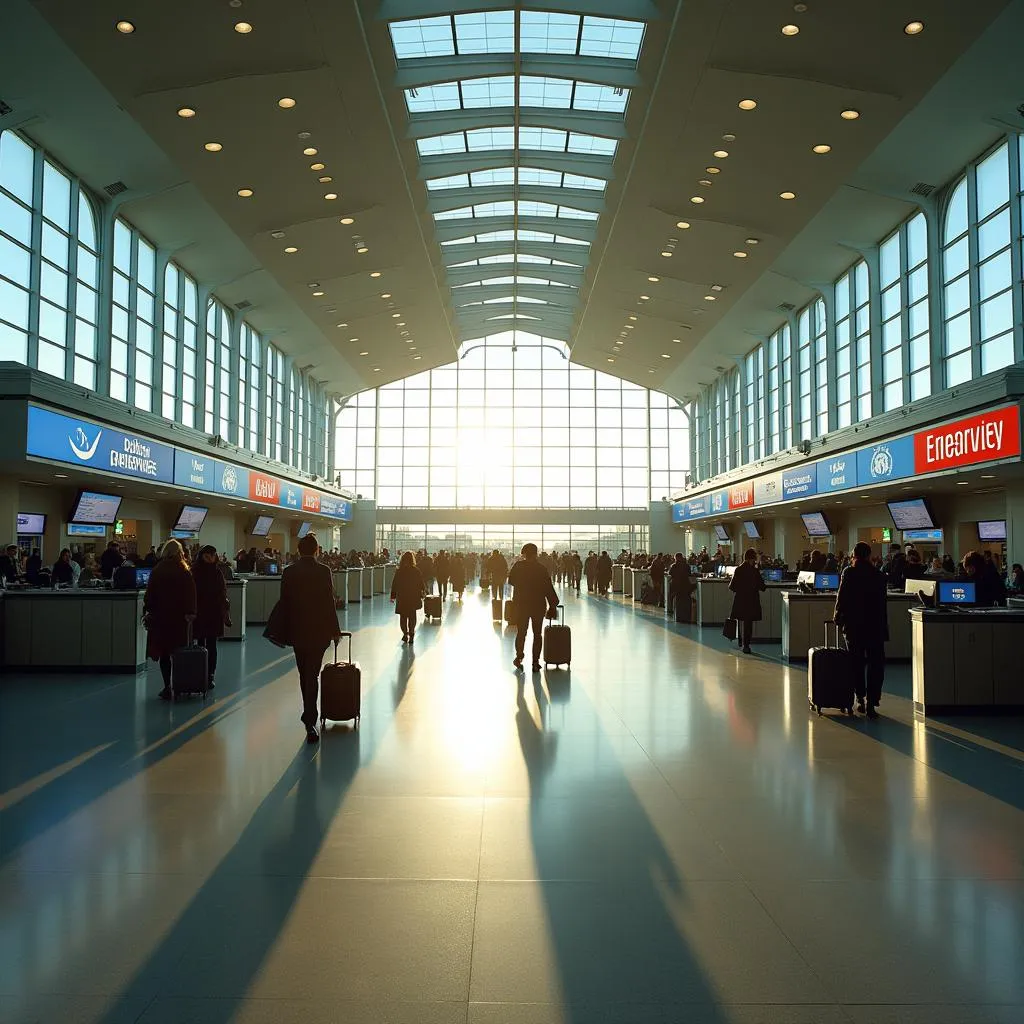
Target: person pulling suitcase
532	590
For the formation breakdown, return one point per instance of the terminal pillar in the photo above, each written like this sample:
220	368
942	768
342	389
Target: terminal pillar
1015	521
9	500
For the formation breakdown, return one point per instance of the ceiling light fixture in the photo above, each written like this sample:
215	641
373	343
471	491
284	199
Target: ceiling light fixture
610	360
417	357
653	279
791	30
644	298
310	151
752	241
665	355
186	112
913	28
347	220
401	323
395	316
317	166
628	327
707	298
740	254
291	249
318	294
666	253
719	154
375	273
324	179
243	28
683	225
126	28
728	137
213	147
277	234
713	170
697	199
341	325
678	341
706	182
330	195
286	103
821	148
364	353
385	295
787	195
245	193
716	287
632	317
353	340
849	114
747	104
362	249
376	369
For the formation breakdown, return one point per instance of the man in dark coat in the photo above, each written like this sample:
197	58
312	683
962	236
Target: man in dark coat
747	584
861	614
443	570
896	569
110	560
9	563
679	588
310	622
533	590
497	569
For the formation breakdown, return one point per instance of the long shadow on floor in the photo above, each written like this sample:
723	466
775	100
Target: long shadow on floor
613	936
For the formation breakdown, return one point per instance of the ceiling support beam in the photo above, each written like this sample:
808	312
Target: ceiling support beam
586	122
444	165
571	276
574	254
584	230
633	10
454	198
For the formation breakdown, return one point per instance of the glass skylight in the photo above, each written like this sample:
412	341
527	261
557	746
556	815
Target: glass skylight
490	32
544	32
548	140
499	91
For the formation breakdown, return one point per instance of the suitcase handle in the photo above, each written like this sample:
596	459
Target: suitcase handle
839	634
561	617
344	633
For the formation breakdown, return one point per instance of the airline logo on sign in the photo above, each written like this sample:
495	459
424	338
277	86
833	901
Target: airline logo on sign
310	501
291	496
797	483
264	489
838	473
719	502
741	495
768	489
983	438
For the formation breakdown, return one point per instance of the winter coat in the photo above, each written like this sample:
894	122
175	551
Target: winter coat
533	590
407	589
211	600
170	596
861	603
747	584
442	568
457	572
308	617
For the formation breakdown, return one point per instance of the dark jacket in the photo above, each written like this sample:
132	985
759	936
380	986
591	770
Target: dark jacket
170	596
110	560
897	571
62	572
8	568
534	592
457	573
604	568
497	567
407	589
861	604
442	568
308	615
211	599
679	573
989	588
747	584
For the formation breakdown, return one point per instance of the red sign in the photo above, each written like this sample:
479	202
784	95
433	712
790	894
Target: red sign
741	495
264	489
310	501
983	438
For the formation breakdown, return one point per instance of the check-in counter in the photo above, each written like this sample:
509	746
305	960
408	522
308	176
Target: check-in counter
74	629
967	660
261	594
389	576
627	580
354	578
236	609
714	601
618	586
367	578
640	577
804	617
340	582
378	579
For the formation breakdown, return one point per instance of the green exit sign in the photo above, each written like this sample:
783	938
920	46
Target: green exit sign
886	535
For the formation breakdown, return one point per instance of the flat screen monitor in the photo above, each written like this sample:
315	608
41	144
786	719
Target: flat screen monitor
142	578
31	524
96	508
728	571
721	533
912	514
928	535
271	568
926	587
82	530
988	529
304	528
956	592
805	576
262	526
752	531
773	575
191	518
826	581
816	524
182	534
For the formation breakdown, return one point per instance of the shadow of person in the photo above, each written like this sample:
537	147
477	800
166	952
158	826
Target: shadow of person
404	674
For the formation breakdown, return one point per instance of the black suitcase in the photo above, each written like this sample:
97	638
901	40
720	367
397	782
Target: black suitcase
830	678
189	673
496	609
341	689
558	642
432	607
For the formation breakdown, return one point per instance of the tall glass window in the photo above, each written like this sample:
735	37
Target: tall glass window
819	347
216	395
754	403
255	386
190	352
805	426
173	301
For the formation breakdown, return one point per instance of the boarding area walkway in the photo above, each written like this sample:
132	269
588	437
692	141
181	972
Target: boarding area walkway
660	834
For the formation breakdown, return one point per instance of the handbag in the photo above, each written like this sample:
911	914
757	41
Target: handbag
729	629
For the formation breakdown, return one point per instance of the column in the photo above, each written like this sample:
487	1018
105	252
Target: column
1015	521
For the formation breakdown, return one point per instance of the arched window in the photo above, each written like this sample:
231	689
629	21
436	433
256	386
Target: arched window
853	346
216	396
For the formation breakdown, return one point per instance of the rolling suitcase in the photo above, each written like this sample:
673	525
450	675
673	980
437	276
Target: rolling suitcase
189	673
496	609
341	689
558	642
432	606
510	611
830	680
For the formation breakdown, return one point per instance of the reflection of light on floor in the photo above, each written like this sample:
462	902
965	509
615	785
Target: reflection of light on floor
19	793
921	769
787	722
810	739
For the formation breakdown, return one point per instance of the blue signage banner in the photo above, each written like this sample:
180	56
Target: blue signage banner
290	496
718	503
81	442
838	473
889	460
339	508
677	511
198	471
696	507
231	480
799	483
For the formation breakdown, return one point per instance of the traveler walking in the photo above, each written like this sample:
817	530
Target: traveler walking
211	606
679	588
532	591
407	590
442	568
604	573
747	584
169	603
497	569
457	574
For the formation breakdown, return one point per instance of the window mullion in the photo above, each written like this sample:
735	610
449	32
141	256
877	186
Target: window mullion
1015	157
36	260
972	271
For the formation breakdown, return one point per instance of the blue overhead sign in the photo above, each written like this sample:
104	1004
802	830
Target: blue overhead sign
890	460
290	495
799	483
231	480
339	508
196	471
88	445
838	473
718	502
677	511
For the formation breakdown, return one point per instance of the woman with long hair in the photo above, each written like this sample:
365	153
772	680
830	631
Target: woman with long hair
170	597
407	590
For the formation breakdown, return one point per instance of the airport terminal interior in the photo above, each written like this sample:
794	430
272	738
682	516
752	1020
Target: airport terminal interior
737	279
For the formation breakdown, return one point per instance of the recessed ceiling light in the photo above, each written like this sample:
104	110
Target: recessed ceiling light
126	28
849	114
61	476
385	295
653	279
611	360
752	241
330	195
324	179
988	476
186	112
650	371
961	483
245	193
665	355
243	28
678	341
374	273
395	316
707	298
716	287
318	294
747	104
790	30
706	182
305	135
644	298
291	248
740	254
362	249
728	137
417	357
310	151
629	327
822	147
787	195
632	317
317	166
347	220
719	154
913	28
696	199
376	369
401	323
412	348
353	340
682	224
342	325
713	170
277	234
213	147
286	103
666	253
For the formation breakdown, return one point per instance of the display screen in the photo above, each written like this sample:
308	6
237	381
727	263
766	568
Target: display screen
262	526
816	524
913	514
957	592
988	529
142	578
32	524
271	568
826	581
934	535
752	531
304	528
191	518
721	532
772	575
93	507
182	534
81	530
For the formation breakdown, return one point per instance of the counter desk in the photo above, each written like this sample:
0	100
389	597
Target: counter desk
354	585
389	577
97	630
714	605
804	617
339	580
632	581
967	660
618	571
236	609
262	593
366	576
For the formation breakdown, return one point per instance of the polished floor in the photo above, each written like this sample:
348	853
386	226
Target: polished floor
662	834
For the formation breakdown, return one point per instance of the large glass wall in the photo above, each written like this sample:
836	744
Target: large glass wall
515	427
510	539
